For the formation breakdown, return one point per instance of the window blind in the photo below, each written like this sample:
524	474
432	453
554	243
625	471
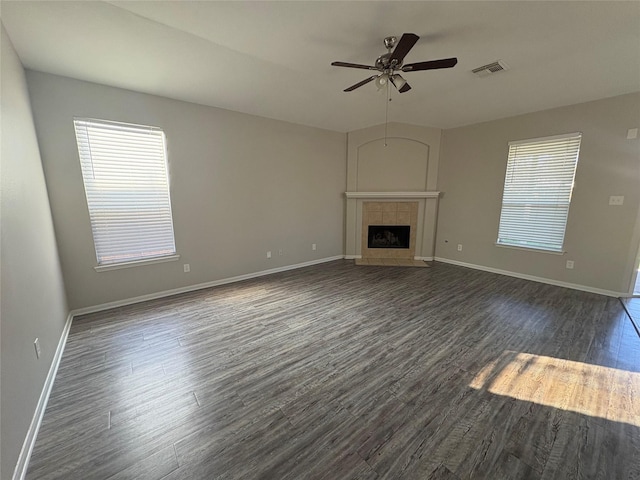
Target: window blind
537	192
124	168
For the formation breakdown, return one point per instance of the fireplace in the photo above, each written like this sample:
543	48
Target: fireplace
389	236
389	229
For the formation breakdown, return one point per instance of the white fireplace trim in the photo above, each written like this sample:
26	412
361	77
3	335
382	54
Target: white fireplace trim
427	218
388	195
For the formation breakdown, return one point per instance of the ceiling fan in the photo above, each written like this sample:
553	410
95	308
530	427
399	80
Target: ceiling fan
390	62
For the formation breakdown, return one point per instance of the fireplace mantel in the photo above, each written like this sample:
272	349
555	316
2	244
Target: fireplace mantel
388	195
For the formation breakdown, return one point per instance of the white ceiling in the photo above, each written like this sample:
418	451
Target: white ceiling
273	58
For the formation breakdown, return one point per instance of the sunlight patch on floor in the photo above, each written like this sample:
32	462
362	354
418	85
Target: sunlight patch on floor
584	388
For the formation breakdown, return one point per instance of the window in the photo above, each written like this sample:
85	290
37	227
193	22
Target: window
537	192
124	168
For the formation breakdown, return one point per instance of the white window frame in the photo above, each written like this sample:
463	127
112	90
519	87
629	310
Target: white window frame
126	181
538	186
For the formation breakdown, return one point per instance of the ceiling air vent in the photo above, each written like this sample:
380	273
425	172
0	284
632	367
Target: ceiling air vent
491	68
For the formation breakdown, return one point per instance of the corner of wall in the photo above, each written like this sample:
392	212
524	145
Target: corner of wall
34	303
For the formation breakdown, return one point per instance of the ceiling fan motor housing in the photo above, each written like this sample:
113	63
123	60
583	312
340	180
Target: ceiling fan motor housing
383	63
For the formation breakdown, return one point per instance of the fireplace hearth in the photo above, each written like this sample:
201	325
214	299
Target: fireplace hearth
389	236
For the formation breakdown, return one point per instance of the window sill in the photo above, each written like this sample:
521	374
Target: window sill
530	249
136	263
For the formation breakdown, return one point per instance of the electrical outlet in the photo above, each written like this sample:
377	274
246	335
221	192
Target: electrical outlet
632	133
36	344
186	267
459	247
570	264
269	254
313	246
616	200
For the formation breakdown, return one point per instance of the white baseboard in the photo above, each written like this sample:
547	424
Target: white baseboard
32	433
549	281
200	286
358	257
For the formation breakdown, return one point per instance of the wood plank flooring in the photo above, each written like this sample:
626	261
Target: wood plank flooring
343	372
632	306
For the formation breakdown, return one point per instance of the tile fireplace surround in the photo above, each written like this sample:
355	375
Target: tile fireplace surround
416	209
389	213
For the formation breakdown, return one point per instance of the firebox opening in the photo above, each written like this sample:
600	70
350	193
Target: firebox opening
388	236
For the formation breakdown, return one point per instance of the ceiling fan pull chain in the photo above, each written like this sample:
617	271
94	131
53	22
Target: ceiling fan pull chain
386	114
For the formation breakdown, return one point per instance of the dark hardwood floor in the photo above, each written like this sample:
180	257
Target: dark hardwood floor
632	306
343	372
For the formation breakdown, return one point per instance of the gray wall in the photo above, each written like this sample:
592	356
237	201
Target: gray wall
33	302
602	240
240	185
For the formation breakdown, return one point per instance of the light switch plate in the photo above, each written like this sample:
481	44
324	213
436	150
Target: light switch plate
616	200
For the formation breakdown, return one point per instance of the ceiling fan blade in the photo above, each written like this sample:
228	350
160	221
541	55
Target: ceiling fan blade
430	65
400	83
359	84
353	65
405	44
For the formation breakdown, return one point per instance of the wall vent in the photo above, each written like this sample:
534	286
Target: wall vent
491	68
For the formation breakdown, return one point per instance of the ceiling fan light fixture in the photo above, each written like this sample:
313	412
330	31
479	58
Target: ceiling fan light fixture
398	81
381	81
